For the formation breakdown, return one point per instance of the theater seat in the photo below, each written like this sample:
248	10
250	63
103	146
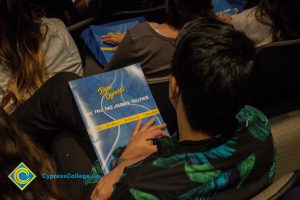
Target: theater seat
286	134
73	155
278	85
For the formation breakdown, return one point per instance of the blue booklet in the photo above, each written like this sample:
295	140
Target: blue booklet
110	105
229	7
103	51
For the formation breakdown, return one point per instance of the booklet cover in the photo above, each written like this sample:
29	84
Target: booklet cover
110	105
229	7
103	51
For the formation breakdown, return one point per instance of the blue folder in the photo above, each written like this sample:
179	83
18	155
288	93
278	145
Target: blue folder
229	7
91	37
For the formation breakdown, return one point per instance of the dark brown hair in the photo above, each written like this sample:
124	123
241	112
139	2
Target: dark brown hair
17	147
182	11
283	16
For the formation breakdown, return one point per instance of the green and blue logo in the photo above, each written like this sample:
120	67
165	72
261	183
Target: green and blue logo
22	176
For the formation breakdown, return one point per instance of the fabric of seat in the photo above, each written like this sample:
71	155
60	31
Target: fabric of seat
278	84
269	192
286	135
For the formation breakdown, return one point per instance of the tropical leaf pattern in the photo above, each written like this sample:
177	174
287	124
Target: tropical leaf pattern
245	168
201	173
256	122
139	195
222	151
166	147
208	189
197	158
96	174
170	162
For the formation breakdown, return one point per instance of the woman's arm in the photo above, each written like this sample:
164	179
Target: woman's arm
124	55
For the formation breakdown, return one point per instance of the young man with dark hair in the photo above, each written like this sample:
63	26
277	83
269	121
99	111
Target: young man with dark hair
223	149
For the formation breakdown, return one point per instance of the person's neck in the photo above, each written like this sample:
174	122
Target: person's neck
185	130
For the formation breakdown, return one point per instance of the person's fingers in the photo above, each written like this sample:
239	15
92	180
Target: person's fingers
137	128
108	40
110	37
111	40
148	124
106	36
114	49
157	133
159	127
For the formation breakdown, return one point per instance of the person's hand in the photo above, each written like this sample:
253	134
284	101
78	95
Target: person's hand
225	17
138	149
112	38
141	144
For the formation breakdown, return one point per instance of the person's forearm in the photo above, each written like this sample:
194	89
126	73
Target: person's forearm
124	162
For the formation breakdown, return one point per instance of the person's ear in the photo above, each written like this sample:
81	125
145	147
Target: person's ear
174	90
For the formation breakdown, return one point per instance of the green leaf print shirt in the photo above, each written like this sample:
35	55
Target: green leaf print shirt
236	166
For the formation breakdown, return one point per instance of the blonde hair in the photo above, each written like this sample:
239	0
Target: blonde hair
22	33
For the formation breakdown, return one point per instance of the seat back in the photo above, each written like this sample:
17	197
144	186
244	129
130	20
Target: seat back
160	91
279	79
73	155
286	135
111	10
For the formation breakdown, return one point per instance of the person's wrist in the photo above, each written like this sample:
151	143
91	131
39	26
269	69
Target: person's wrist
127	162
123	163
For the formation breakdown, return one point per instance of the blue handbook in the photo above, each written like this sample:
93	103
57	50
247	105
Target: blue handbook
229	7
115	99
91	37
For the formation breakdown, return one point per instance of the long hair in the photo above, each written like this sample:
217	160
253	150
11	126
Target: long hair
182	11
283	16
17	147
21	35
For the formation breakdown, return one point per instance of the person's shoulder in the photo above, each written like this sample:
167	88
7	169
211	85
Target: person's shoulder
140	27
245	16
247	12
54	23
61	53
140	30
56	31
56	27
